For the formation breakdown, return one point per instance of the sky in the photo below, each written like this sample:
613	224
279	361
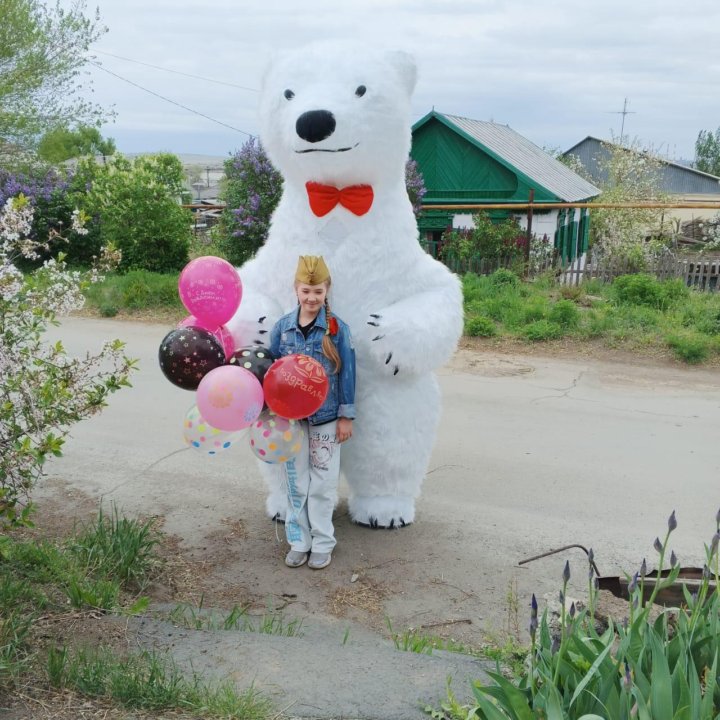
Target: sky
553	70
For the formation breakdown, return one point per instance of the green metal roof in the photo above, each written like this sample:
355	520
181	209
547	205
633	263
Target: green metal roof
494	163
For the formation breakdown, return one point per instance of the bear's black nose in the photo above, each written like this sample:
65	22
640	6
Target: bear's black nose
315	125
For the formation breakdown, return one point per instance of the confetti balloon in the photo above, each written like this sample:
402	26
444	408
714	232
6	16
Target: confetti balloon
187	354
210	289
230	398
204	438
254	358
295	386
274	439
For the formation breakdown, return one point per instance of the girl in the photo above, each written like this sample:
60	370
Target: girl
312	476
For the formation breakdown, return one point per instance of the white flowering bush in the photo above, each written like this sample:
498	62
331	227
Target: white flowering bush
43	391
632	174
711	233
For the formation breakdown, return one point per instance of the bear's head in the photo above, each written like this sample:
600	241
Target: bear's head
338	113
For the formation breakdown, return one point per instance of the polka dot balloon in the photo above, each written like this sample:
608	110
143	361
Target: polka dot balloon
203	437
274	439
254	358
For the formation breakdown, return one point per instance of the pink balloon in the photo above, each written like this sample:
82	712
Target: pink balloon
223	335
229	398
226	339
210	289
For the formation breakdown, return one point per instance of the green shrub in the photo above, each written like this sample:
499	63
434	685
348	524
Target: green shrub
565	313
480	326
642	289
136	207
705	320
535	309
542	330
637	289
673	291
691	348
503	276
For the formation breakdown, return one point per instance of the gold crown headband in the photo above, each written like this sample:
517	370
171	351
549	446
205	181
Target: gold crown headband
311	270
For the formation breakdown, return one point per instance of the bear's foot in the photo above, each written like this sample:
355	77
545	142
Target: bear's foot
276	506
383	511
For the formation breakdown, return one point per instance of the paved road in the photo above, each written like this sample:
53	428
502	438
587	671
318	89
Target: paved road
532	454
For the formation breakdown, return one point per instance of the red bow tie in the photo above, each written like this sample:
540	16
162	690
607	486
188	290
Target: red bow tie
323	198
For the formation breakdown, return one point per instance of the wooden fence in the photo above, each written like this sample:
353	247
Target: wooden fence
701	273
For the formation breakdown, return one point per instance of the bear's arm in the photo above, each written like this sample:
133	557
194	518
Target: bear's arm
420	332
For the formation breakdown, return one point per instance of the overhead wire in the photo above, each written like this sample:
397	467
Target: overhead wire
166	99
177	72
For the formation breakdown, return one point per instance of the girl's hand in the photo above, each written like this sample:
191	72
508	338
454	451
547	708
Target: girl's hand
344	429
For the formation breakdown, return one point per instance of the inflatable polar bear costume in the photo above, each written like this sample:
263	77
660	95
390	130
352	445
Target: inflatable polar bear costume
339	114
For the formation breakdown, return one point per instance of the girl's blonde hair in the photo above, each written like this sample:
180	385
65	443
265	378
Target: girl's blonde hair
329	349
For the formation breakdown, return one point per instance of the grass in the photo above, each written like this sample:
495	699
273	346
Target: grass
636	313
135	291
271	622
149	681
45	586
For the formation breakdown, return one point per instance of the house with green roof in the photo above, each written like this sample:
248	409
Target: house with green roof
474	162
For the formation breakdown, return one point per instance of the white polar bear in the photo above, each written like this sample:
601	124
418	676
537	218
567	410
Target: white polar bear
339	115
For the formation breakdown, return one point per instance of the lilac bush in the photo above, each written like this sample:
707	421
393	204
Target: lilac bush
415	185
253	191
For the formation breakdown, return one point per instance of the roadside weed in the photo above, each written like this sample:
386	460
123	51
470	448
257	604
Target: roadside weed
271	622
117	547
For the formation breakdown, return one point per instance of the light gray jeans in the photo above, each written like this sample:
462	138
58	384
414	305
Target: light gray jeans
311	480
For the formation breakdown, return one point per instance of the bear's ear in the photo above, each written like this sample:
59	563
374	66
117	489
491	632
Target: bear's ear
405	65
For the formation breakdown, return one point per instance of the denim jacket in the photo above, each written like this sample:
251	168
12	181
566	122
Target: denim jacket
287	338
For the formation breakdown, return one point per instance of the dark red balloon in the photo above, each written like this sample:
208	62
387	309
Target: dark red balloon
187	354
295	386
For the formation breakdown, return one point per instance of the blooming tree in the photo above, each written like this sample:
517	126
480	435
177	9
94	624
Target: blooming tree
43	390
630	174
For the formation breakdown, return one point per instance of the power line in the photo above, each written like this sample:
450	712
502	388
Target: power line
172	102
177	72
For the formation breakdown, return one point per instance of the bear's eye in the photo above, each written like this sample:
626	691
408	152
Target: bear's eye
289	94
361	90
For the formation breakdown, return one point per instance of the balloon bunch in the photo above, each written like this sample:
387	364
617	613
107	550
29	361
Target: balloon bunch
236	387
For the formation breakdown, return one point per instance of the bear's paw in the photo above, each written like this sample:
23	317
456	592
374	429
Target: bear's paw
387	512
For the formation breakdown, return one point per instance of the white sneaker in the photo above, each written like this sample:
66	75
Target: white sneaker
319	560
295	558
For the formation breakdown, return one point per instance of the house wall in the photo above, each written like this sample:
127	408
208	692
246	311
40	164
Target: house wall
542	224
